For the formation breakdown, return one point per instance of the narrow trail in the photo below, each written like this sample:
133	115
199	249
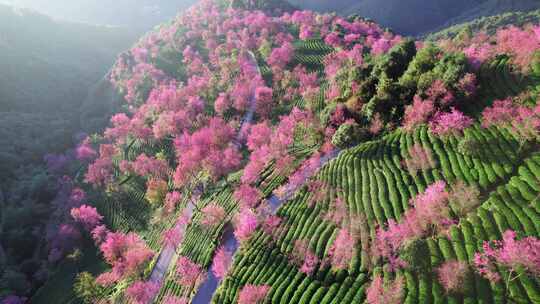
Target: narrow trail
167	253
209	286
207	289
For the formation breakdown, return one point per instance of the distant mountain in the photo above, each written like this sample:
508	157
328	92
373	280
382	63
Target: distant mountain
141	14
413	17
493	8
46	68
488	24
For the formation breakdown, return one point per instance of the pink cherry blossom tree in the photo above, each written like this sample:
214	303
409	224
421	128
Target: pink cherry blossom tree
126	253
516	256
188	272
380	292
142	292
84	151
417	113
172	199
452	275
213	214
222	262
248	196
246	223
252	294
304	257
87	216
522	120
342	250
429	216
453	123
150	166
172	237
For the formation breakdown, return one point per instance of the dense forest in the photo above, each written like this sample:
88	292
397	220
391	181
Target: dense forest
256	152
48	69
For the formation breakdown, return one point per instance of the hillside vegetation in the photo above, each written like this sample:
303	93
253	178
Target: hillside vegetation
416	17
271	155
46	69
490	24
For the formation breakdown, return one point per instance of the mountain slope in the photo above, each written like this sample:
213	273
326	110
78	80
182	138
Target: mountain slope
493	7
404	17
46	69
414	17
489	24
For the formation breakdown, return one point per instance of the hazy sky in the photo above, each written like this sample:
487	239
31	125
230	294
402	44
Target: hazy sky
134	13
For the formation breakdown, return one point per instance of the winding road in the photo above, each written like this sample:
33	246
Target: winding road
209	286
207	289
168	252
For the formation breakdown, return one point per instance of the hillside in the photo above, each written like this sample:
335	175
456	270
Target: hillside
418	17
46	69
264	155
492	8
490	24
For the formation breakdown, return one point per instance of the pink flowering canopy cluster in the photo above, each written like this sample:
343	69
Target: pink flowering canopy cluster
342	250
213	215
126	253
248	196
207	149
247	222
452	275
198	110
380	292
222	262
430	215
522	120
510	253
188	272
519	43
303	257
253	294
87	216
452	123
142	292
418	113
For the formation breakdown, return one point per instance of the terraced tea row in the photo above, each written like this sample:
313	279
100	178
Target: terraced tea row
374	183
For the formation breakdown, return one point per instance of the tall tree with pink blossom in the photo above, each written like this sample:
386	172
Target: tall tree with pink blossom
189	273
248	196
126	253
342	250
222	262
253	294
213	215
380	292
452	275
517	257
453	123
87	216
142	292
246	222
